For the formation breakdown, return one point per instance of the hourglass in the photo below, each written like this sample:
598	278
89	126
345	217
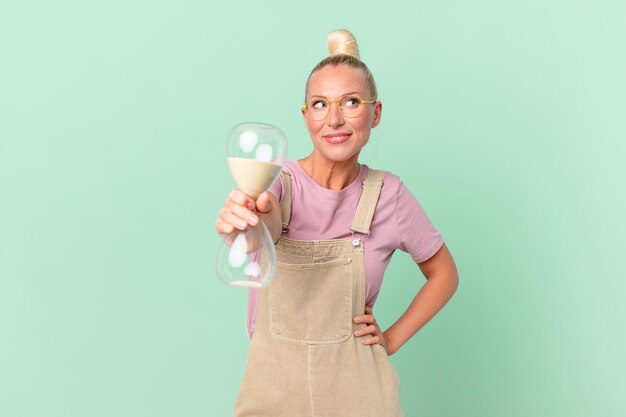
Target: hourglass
256	152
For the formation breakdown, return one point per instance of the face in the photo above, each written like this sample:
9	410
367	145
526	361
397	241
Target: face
338	138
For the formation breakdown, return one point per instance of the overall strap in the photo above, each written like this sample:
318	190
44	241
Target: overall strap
285	203
372	185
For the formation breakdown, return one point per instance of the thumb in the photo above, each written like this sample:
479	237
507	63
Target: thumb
263	203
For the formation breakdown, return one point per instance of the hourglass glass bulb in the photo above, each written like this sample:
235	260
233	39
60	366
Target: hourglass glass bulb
256	152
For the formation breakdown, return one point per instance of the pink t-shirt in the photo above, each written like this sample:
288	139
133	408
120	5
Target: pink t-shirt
318	213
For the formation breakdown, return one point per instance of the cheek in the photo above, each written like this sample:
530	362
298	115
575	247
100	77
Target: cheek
314	127
363	124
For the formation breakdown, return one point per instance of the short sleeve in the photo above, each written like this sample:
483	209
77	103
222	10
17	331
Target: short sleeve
418	236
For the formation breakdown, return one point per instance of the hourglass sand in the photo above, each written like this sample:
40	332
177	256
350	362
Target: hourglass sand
256	152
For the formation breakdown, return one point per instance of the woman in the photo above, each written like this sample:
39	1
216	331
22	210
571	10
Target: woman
316	348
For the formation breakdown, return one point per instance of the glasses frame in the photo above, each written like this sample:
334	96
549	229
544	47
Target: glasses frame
337	100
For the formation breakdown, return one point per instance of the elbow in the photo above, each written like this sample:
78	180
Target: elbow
453	278
455	281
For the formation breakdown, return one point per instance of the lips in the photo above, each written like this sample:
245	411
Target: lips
337	138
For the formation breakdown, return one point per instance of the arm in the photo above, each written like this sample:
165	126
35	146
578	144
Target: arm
442	281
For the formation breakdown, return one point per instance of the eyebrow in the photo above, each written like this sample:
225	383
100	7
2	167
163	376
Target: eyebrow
344	94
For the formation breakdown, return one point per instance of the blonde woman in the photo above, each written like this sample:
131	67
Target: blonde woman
316	348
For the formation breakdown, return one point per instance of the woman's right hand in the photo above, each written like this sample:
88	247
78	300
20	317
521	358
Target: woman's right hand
236	214
239	211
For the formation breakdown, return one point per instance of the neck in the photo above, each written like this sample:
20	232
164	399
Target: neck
331	175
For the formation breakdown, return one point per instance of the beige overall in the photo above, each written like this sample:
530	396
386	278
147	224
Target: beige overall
304	360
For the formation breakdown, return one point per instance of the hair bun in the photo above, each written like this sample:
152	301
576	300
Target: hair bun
341	42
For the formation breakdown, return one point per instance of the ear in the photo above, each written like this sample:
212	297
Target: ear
306	121
378	111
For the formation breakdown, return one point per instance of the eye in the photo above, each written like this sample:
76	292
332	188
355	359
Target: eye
318	104
351	102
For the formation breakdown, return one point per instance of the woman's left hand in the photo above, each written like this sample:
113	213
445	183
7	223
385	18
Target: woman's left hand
377	336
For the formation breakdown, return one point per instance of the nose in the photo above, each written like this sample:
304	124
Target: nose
335	117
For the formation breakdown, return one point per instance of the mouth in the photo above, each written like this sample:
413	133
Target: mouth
337	138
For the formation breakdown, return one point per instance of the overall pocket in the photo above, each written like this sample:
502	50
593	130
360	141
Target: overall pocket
312	302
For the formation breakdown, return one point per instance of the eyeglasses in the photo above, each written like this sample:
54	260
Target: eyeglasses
350	105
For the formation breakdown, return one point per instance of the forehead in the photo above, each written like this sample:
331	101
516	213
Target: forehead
335	81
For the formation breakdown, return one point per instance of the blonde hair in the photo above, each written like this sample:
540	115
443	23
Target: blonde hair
343	50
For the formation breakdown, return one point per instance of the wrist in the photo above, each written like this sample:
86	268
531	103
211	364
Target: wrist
388	345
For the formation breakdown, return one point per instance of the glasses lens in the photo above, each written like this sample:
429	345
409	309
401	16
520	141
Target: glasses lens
317	108
350	105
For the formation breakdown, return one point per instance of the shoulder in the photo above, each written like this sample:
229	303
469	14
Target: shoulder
289	168
391	182
288	173
394	192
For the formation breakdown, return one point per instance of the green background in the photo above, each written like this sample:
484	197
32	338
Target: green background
506	119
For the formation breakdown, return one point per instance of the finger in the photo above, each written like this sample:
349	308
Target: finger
371	341
366	318
371	329
263	203
223	228
368	309
242	199
228	217
241	212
